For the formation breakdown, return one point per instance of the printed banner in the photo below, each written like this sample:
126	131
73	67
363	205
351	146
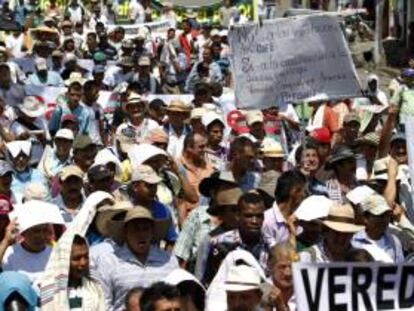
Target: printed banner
290	60
157	29
353	287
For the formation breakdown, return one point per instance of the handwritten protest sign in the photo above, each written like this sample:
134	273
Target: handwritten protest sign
353	287
291	60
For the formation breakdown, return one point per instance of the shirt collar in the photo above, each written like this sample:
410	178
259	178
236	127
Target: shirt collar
280	219
125	253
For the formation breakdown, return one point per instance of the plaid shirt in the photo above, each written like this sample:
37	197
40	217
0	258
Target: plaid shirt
194	230
121	271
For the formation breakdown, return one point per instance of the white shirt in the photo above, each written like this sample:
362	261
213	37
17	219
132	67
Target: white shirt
96	115
136	12
387	249
14	45
32	265
175	142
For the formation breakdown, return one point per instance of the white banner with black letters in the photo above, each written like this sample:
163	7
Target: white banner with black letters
289	60
353	287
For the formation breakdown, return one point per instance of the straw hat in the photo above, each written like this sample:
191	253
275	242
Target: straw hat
229	197
215	180
341	218
178	106
114	221
104	222
272	149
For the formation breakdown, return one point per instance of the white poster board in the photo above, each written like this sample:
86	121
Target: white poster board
353	287
290	60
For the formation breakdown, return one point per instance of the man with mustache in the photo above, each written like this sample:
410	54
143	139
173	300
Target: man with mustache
70	198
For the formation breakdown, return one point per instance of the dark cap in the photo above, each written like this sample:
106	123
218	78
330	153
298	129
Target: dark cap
202	87
82	142
340	153
398	136
98	172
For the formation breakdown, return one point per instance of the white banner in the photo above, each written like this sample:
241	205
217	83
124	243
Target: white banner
353	287
291	59
409	132
157	29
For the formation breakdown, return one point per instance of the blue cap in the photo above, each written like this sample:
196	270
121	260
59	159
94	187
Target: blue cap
5	168
14	282
98	69
408	73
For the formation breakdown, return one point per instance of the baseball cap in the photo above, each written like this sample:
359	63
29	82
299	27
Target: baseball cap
99	57
65	134
398	136
211	117
71	170
144	61
254	116
82	141
375	204
145	173
214	32
98	172
321	135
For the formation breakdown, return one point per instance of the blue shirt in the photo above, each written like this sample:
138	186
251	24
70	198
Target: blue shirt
22	179
80	112
160	211
53	79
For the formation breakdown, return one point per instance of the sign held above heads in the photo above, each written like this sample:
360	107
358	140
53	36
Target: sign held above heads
353	286
291	60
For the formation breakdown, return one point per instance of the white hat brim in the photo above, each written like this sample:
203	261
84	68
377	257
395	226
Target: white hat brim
342	227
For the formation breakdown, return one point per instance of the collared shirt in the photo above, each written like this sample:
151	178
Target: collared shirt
231	240
66	213
387	249
63	109
50	165
14	95
121	271
217	158
194	175
175	142
194	230
275	228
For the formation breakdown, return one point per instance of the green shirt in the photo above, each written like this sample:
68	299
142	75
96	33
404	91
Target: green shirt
405	100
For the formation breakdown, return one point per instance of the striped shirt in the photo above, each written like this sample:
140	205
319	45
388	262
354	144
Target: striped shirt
121	271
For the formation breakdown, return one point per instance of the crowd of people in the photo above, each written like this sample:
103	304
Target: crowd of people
164	195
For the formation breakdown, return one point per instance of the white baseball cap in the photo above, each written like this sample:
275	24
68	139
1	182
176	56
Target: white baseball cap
65	134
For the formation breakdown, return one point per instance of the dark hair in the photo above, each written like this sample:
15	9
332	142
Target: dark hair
306	146
156	104
155	292
251	198
89	85
358	255
79	240
238	145
189	139
214	123
75	86
202	68
285	184
132	292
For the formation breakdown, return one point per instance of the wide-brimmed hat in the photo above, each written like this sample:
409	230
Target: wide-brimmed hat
178	106
32	107
229	197
254	116
17	146
313	207
242	278
380	169
215	180
138	154
116	223
340	153
341	218
104	222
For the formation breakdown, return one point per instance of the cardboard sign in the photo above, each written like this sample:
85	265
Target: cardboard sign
353	287
291	60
